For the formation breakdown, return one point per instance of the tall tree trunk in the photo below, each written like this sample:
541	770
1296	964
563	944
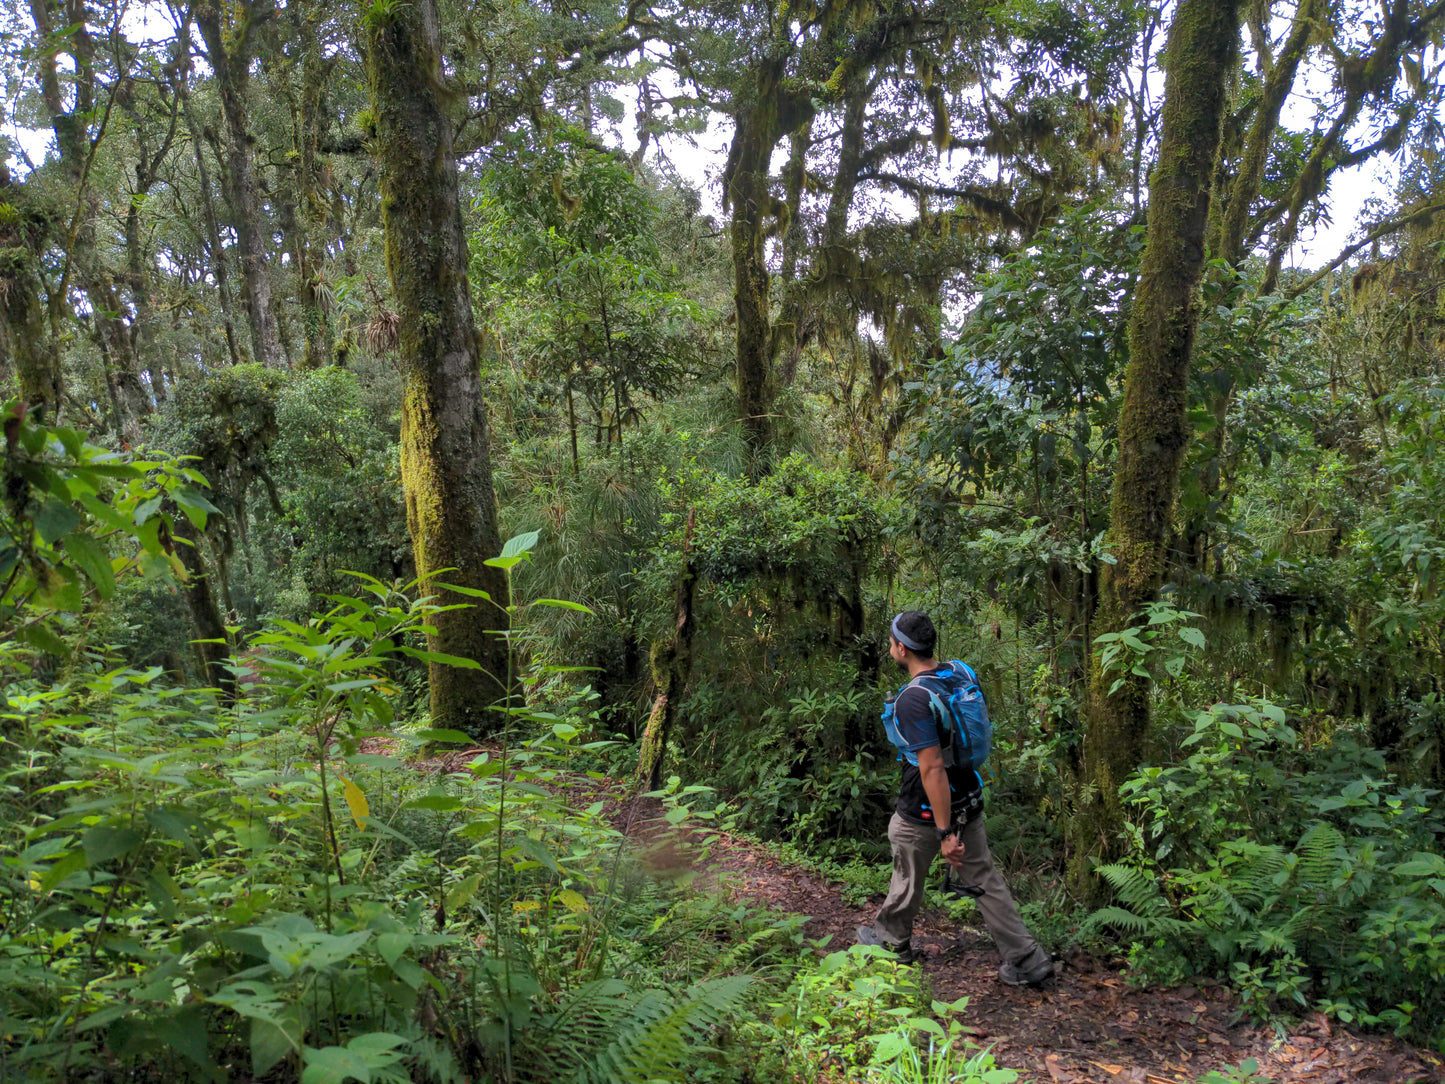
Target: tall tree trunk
1230	220
751	200
230	52
310	247
446	459
212	644
671	668
220	264
26	351
1153	425
775	108
73	107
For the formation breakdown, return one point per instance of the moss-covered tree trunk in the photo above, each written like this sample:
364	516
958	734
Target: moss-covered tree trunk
309	241
212	644
219	263
230	35
671	668
750	198
446	459
71	99
26	348
1153	424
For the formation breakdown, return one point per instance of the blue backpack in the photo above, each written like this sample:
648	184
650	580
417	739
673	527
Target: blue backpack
959	710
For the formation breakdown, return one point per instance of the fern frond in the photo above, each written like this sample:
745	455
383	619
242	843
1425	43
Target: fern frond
1321	852
604	1034
1250	874
1130	923
1136	888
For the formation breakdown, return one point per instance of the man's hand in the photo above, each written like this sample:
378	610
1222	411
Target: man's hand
953	850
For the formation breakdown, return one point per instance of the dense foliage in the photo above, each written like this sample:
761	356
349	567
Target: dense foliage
730	429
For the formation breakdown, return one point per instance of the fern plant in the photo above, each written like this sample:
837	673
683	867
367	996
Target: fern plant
1314	879
606	1034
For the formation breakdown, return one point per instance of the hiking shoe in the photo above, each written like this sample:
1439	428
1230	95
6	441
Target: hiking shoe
1034	975
902	950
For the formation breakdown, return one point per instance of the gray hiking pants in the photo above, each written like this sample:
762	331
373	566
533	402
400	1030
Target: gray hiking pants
914	848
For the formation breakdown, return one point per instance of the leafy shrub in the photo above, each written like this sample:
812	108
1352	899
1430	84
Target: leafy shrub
834	1013
1307	876
194	891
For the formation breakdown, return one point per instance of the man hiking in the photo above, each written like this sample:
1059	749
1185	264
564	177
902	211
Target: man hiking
940	808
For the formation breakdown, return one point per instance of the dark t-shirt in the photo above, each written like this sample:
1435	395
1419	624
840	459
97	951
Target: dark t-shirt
919	730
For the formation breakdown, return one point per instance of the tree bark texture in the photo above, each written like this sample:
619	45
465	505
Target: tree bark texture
213	647
26	349
309	250
229	51
671	668
446	458
1153	424
748	193
220	264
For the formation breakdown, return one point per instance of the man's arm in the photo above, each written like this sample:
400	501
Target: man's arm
935	784
940	798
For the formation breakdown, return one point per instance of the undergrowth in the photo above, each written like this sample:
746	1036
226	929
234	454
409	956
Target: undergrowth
1306	875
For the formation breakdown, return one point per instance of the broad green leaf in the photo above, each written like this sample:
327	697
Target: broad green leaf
1422	864
145	510
572	900
331	949
161	896
186	1032
104	513
195	505
434	734
334	1065
254	835
41	636
104	843
440	657
104	1016
391	946
72	862
55	520
461	893
520	544
437	803
357	1060
270	1042
90	557
349	686
172	826
470	592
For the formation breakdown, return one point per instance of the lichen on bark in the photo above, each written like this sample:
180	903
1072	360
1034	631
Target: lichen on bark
1153	422
446	455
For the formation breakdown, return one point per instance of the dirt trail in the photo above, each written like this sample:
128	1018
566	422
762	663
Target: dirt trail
1086	1025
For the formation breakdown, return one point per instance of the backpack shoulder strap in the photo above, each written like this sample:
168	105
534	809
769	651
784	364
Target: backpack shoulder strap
937	707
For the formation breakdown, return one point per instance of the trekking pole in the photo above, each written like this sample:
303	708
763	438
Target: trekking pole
958	889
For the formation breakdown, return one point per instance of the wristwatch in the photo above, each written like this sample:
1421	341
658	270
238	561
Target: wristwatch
944	833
